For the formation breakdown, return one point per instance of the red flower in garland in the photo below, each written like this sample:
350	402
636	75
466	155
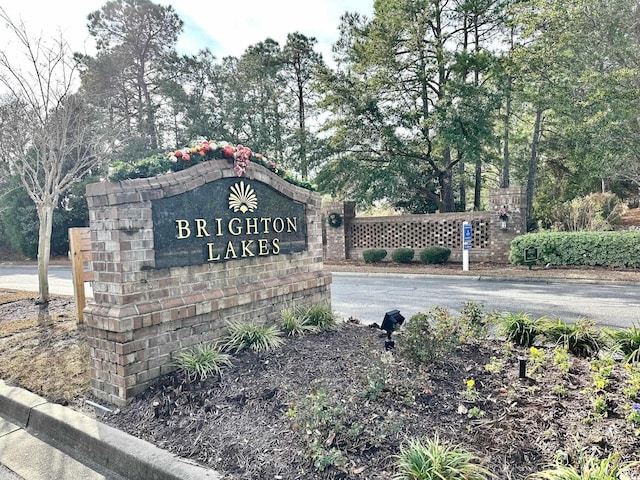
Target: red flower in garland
227	151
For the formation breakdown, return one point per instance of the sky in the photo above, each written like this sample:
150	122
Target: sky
226	27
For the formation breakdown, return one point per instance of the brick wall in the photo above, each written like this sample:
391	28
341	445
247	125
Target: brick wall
141	316
491	241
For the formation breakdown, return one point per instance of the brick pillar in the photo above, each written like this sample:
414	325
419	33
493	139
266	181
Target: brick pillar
335	238
502	232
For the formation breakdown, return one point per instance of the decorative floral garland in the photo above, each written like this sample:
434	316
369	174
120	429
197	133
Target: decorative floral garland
203	150
208	150
334	219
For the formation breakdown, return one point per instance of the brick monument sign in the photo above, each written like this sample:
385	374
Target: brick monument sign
175	257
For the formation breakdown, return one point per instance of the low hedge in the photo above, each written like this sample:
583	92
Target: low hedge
609	249
435	255
374	256
403	255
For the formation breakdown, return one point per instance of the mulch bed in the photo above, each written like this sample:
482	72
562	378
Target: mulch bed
334	405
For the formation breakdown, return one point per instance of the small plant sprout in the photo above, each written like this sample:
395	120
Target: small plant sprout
536	358
476	412
601	371
562	359
495	365
600	408
634	414
632	391
470	393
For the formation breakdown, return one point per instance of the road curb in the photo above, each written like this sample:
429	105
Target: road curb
496	278
85	438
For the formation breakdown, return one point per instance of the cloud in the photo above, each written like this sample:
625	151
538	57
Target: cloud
224	27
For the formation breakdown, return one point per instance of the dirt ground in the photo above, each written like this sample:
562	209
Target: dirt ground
335	405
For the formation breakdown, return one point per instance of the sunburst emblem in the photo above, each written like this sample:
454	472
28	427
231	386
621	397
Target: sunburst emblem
242	198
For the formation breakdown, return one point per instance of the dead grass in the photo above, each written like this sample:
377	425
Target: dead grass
47	353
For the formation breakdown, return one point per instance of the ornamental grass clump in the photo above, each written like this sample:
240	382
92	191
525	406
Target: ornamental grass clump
518	328
434	460
628	342
320	317
259	338
202	361
295	322
583	338
589	468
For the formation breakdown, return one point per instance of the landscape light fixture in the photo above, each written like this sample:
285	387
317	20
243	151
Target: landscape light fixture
522	367
392	321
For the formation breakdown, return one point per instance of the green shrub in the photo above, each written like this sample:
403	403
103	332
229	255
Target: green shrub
429	337
434	460
582	338
259	338
435	255
518	328
374	256
473	321
403	255
201	361
610	249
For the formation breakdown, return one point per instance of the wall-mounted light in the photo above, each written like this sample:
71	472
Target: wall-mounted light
392	321
503	215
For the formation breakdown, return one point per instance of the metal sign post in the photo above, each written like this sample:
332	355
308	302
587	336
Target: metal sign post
466	245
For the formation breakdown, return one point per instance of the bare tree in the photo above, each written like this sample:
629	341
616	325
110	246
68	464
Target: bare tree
48	136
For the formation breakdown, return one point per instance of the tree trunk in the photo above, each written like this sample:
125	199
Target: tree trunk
504	181
45	217
463	186
478	185
533	162
446	184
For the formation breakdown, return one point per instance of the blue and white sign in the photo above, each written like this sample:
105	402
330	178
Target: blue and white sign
466	236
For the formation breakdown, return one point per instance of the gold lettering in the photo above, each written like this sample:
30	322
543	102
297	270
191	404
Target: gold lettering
218	227
246	252
278	225
265	224
232	230
292	224
263	247
276	246
183	229
231	252
201	228
252	226
211	257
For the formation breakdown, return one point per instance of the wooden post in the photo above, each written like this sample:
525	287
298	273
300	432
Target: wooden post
79	253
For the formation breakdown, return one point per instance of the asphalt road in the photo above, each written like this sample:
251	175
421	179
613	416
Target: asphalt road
368	296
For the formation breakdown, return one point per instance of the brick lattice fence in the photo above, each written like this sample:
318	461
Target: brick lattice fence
491	240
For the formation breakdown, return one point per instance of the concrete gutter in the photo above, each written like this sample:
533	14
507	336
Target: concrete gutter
88	441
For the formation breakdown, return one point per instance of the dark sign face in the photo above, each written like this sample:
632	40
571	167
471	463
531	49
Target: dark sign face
229	219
